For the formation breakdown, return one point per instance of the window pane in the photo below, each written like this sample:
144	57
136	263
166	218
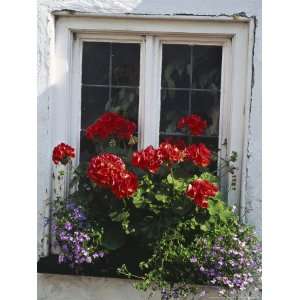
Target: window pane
183	93
95	63
125	64
176	66
106	67
207	67
94	100
207	105
125	101
174	105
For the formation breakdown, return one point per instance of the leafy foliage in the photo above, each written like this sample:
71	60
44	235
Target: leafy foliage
173	242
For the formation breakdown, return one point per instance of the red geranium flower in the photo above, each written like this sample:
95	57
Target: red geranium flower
200	190
62	153
199	154
195	124
149	159
127	184
109	171
179	143
171	153
104	169
126	130
110	124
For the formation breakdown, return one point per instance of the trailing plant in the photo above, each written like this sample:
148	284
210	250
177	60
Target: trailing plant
162	205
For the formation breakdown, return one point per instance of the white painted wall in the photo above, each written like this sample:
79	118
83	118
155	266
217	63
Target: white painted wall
251	8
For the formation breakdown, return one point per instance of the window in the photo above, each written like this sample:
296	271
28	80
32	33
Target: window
155	70
190	84
110	82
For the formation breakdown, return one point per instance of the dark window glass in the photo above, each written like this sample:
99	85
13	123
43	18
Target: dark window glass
176	68
207	62
191	82
95	63
174	105
125	64
110	83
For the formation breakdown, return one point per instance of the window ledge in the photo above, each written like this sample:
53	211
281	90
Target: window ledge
65	287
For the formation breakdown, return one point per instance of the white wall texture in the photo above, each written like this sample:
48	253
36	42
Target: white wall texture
46	34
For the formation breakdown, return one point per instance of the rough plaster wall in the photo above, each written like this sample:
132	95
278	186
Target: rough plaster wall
196	7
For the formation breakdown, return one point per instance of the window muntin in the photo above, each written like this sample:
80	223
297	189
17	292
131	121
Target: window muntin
190	84
110	82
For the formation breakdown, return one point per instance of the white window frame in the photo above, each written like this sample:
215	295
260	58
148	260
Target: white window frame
236	38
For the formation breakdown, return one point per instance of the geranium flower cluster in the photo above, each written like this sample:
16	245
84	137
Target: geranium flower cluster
199	154
194	123
235	267
151	159
111	124
62	153
109	171
168	152
74	239
200	190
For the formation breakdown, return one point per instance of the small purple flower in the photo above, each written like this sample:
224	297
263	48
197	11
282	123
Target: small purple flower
61	259
193	259
65	248
68	226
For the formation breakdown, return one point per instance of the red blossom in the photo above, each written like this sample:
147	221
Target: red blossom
127	184
179	143
62	153
195	124
109	171
110	124
149	159
200	190
103	169
171	153
199	154
126	130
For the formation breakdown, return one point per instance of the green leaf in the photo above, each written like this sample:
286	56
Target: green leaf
208	176
161	198
203	227
119	217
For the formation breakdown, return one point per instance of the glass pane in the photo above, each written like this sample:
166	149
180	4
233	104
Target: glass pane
125	64
207	105
95	63
174	105
124	101
176	66
207	67
93	102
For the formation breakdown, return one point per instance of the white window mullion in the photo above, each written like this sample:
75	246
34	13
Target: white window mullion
149	115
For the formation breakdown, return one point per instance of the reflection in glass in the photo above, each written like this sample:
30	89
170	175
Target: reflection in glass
124	101
95	63
207	105
125	64
174	105
93	104
176	66
207	62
